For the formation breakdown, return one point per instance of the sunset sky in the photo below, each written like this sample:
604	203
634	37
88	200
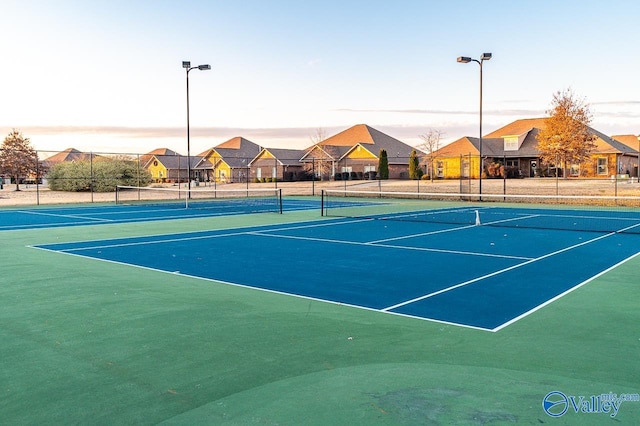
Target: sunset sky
107	76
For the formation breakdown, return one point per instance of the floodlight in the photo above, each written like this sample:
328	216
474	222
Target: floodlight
186	64
485	56
204	67
464	59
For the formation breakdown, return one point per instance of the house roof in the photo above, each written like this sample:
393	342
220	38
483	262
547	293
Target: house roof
237	152
341	144
69	154
144	159
284	156
493	143
175	162
518	127
629	140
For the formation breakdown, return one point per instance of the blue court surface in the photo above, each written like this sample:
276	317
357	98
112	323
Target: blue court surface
481	277
50	217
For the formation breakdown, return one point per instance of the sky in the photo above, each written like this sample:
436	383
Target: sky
107	76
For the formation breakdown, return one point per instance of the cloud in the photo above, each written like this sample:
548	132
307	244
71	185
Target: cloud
497	112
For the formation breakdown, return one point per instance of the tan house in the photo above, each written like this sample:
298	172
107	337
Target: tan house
513	148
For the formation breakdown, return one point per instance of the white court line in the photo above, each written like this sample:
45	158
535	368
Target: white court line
266	290
542	305
193	238
72	216
356	243
463	284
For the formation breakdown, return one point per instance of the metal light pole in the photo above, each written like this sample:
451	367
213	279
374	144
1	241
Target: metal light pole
465	60
638	168
187	66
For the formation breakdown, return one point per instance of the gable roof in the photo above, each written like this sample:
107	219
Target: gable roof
343	142
493	143
632	141
518	127
69	154
284	156
175	162
237	152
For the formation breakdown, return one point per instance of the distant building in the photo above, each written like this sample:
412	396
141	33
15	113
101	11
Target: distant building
514	146
281	164
354	154
229	161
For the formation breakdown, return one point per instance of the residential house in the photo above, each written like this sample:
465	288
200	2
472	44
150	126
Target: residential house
514	146
354	154
229	161
633	142
281	164
170	168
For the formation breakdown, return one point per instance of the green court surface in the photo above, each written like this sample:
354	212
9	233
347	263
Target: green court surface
95	342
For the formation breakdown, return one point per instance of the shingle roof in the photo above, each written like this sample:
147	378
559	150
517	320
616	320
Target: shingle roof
175	162
631	141
367	136
237	152
284	156
69	154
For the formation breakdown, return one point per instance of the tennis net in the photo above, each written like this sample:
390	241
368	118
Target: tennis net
232	201
580	213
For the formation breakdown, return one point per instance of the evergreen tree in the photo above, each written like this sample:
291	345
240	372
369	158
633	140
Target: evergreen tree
415	172
383	165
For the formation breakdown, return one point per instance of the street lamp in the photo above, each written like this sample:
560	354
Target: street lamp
466	60
187	66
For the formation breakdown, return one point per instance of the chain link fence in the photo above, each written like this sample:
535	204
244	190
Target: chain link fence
71	176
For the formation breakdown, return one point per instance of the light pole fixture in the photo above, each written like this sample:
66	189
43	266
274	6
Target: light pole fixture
466	60
187	66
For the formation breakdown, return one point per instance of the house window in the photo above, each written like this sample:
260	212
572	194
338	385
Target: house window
369	168
602	168
258	172
574	170
511	144
440	169
513	162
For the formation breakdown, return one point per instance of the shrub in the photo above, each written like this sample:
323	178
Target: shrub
101	176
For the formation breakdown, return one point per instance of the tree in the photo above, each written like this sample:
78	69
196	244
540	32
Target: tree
321	158
383	164
18	159
566	137
415	172
430	145
99	175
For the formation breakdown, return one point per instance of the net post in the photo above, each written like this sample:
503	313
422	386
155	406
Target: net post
117	192
322	203
280	198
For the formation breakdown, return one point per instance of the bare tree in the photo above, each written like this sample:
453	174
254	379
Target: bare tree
566	137
430	146
321	158
17	158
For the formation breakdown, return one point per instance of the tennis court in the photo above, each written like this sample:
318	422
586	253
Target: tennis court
354	310
138	208
453	271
